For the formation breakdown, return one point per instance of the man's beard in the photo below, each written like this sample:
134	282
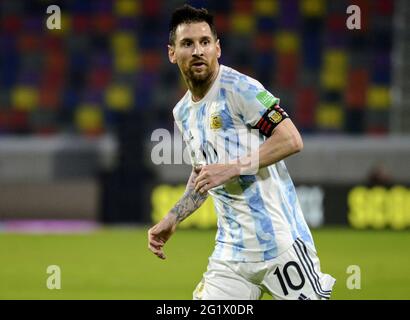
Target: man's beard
199	78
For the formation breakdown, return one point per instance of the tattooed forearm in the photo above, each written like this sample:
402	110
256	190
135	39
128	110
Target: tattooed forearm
190	201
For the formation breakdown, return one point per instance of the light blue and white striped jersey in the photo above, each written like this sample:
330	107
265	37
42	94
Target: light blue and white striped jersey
259	215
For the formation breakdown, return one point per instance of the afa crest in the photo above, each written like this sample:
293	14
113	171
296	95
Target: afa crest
216	121
275	116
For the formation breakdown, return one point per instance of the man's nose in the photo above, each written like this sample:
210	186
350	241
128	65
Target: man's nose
197	50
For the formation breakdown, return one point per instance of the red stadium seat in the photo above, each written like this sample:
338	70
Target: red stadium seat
356	89
288	69
305	105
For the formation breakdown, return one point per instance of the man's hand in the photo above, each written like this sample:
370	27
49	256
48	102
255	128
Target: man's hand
159	234
214	175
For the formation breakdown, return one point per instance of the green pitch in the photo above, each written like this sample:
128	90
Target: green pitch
116	264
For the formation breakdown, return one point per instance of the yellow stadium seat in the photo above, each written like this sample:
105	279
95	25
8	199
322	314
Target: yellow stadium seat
333	79
335	59
24	98
378	97
313	8
126	62
123	41
334	71
329	116
266	7
243	24
89	118
119	97
127	8
287	42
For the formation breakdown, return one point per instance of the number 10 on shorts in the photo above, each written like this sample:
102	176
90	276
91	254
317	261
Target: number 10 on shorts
286	281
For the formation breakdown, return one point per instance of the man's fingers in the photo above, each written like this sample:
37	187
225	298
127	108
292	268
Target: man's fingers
200	183
157	251
156	242
198	180
154	246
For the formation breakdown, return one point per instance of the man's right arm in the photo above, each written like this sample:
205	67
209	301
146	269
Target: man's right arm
159	234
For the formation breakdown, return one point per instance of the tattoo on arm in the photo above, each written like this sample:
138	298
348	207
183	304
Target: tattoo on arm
190	201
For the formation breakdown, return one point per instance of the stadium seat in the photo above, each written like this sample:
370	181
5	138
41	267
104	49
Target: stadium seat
128	8
99	78
287	42
336	23
243	23
266	8
264	43
355	94
289	17
24	98
329	117
119	97
103	23
49	99
378	97
151	8
18	122
11	24
287	70
151	60
266	24
313	8
305	105
89	119
381	68
123	41
311	50
334	71
222	24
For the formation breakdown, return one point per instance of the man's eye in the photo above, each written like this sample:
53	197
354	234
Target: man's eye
186	44
205	42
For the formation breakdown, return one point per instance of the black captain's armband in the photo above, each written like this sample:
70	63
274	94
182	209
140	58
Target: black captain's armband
270	119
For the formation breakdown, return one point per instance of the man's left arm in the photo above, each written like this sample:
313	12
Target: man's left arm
284	141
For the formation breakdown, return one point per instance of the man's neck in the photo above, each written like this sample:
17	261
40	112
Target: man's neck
199	91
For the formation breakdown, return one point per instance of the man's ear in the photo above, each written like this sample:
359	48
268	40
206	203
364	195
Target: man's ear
218	48
171	54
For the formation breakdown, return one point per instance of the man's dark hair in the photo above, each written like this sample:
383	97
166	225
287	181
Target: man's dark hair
189	14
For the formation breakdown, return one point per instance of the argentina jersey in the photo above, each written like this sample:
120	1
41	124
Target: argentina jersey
259	215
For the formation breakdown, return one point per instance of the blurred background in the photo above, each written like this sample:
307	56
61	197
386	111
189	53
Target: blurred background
78	106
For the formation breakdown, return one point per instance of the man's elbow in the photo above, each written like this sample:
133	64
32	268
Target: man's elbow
296	143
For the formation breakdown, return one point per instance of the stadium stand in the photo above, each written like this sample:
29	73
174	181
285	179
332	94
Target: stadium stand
109	59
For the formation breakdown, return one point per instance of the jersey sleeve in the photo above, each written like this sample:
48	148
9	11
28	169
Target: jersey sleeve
258	107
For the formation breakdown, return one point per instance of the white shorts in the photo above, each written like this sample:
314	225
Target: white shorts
293	275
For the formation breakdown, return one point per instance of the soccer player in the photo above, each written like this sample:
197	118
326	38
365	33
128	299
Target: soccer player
263	243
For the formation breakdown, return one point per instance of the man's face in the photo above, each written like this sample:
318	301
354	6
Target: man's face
196	51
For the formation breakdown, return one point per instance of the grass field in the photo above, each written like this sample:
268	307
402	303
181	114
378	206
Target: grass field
115	264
